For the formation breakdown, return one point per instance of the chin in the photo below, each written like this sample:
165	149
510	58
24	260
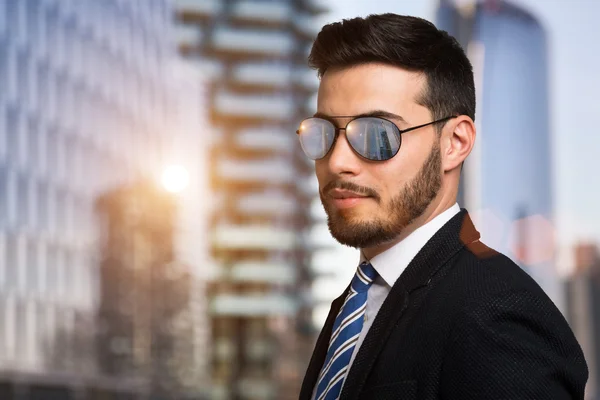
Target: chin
354	215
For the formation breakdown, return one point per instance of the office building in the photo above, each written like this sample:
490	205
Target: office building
507	179
85	107
254	53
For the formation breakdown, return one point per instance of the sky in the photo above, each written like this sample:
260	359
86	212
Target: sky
574	64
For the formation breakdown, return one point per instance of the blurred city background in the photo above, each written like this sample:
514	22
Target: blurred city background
161	235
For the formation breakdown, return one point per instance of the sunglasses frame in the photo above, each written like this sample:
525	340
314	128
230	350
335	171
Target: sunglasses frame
354	118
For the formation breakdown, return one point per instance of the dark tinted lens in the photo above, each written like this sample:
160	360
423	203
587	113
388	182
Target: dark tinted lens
316	137
374	138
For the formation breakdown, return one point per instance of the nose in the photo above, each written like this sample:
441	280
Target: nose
342	160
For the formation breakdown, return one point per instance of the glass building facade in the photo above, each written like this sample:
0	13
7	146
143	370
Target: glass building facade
85	106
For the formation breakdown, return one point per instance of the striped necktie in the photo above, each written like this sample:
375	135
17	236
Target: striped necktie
346	329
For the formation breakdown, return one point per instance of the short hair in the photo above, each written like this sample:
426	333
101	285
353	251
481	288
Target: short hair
412	43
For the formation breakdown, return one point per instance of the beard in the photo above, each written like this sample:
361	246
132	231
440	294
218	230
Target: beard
409	203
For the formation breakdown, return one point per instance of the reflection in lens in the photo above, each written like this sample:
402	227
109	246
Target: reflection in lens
316	137
374	138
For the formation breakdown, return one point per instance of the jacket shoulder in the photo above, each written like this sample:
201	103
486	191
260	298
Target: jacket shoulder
485	271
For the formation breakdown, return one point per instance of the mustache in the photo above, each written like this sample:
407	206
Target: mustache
353	187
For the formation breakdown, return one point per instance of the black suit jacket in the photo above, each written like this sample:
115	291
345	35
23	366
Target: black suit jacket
462	322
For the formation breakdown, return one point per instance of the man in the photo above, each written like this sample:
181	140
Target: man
431	313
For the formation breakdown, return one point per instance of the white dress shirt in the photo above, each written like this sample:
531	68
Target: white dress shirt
389	266
391	263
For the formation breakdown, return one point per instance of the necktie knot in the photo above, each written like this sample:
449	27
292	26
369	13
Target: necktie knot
364	277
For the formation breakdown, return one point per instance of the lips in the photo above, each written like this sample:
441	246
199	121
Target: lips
344	199
345	194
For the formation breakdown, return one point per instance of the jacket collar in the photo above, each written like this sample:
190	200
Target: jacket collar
449	240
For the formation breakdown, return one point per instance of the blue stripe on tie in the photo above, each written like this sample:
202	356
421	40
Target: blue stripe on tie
346	329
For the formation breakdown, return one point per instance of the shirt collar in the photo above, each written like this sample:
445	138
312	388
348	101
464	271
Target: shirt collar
391	263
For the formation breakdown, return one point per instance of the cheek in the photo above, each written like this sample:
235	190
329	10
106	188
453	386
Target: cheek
321	172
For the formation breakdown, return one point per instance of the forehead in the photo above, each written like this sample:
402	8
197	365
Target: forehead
357	89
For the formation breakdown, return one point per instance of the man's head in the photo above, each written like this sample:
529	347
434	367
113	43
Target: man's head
410	73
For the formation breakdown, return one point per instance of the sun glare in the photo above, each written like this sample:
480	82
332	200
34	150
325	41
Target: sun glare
175	178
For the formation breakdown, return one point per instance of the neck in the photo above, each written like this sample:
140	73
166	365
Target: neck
437	206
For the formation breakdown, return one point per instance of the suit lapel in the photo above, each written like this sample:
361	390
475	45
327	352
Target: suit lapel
452	237
320	351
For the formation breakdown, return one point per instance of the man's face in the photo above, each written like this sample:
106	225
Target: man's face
369	203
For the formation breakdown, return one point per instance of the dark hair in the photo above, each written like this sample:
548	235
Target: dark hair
408	42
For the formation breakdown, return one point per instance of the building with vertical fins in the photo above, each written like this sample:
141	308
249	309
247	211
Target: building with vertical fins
254	53
85	107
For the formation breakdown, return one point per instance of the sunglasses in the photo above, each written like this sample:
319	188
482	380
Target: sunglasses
373	138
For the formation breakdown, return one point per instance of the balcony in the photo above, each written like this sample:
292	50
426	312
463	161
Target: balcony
262	13
309	187
273	171
208	69
310	104
198	10
307	27
188	36
253	305
307	79
261	74
267	139
276	274
312	7
272	107
252	42
253	237
275	204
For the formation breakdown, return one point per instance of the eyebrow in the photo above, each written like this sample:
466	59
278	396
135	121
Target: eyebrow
374	113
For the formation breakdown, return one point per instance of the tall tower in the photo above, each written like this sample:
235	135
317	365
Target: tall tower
254	53
507	179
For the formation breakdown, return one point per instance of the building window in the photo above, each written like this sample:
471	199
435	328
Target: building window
3	126
21	333
52	152
33	144
61	213
32	218
52	270
42	81
3	195
32	275
42	206
23	77
61	158
42	287
60	288
11	272
51	209
22	201
14	134
31	346
9	326
11	198
3	326
2	264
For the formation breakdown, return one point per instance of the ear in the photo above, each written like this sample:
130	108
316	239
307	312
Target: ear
458	140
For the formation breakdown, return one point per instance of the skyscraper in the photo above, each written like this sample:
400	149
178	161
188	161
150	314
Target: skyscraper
254	53
85	106
507	180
